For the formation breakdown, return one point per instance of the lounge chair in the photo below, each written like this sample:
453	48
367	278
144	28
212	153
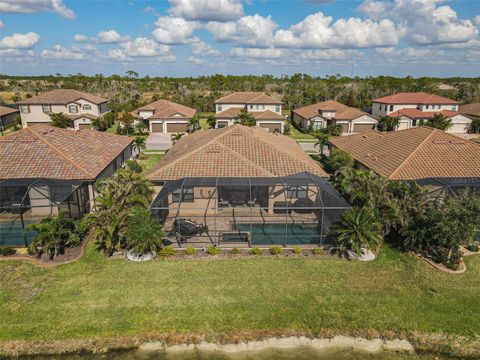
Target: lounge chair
187	228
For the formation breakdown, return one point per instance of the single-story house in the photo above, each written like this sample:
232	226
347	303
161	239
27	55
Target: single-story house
320	115
241	186
472	110
412	117
165	116
266	119
7	115
46	169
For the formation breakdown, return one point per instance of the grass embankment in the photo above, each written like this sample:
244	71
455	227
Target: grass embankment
105	298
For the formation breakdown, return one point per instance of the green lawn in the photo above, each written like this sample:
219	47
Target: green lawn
299	136
105	297
149	161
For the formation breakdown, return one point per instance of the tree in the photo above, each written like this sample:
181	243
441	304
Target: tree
337	159
193	125
141	127
52	234
334	130
17	123
246	118
143	232
101	123
176	137
475	126
139	144
322	139
126	120
358	228
60	120
387	123
211	121
440	121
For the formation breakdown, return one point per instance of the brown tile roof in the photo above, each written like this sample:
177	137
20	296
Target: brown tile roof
247	97
165	109
258	115
415	98
342	112
79	116
5	110
42	151
415	153
62	97
471	109
419	114
234	151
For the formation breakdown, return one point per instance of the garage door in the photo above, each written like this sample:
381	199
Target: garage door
29	124
272	127
402	125
357	128
84	126
222	124
345	127
157	127
176	128
458	128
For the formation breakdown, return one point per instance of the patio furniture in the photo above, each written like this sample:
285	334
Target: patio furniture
279	207
301	204
188	228
252	202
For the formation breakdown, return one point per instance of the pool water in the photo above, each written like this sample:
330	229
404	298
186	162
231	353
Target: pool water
277	234
12	234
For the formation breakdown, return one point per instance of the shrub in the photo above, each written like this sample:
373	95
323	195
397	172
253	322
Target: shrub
167	252
83	226
276	250
235	251
298	250
316	251
256	251
286	128
337	159
449	258
143	232
74	240
213	250
134	166
190	250
7	251
473	248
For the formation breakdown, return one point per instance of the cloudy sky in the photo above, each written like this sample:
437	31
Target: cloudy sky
202	37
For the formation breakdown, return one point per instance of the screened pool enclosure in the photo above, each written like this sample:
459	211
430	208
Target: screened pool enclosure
28	201
248	211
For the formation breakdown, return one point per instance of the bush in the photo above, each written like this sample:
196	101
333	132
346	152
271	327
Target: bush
7	251
445	256
286	128
276	250
337	159
235	251
256	251
473	247
298	250
316	251
83	226
74	240
213	250
190	250
167	252
143	232
134	166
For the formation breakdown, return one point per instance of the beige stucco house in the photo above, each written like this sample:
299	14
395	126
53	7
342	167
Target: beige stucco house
79	106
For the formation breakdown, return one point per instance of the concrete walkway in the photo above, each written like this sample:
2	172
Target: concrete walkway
159	141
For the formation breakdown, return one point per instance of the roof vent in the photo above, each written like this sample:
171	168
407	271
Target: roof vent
373	157
440	141
456	142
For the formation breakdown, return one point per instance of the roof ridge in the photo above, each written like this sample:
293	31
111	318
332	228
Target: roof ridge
60	153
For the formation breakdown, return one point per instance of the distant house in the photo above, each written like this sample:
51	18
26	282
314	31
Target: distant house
320	115
471	110
266	110
7	115
163	116
79	106
414	108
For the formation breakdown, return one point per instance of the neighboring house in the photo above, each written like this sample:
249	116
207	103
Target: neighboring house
471	110
419	153
320	115
163	116
266	110
46	169
411	108
240	186
7	115
80	107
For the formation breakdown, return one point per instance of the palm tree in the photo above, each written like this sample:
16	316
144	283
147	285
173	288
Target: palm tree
176	137
143	233
139	144
358	228
193	125
322	139
141	127
388	123
440	121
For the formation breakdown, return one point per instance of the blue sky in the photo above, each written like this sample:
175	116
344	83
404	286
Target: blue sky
202	37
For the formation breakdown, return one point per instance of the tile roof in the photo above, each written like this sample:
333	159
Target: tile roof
5	110
62	97
258	115
415	153
165	109
80	116
247	97
342	112
419	114
234	151
415	98
47	152
470	109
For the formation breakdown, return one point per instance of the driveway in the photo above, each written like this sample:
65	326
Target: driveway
159	141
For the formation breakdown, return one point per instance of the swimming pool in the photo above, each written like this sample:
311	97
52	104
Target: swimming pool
274	234
11	234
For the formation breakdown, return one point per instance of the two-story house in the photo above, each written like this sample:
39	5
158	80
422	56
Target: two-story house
413	109
80	107
266	110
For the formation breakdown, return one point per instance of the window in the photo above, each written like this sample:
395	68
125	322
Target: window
317	125
251	106
187	195
277	108
426	107
24	109
414	122
46	109
391	107
454	107
298	192
257	106
73	109
86	107
438	106
219	107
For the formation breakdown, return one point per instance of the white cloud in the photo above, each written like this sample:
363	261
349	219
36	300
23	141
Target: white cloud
151	10
80	38
207	10
252	30
16	53
20	41
374	9
173	30
317	31
195	60
331	54
2	24
110	37
33	6
58	52
200	48
258	53
142	47
476	20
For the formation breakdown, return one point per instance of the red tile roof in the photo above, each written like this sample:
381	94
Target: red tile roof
62	97
471	109
415	98
411	154
165	109
42	151
419	114
258	115
247	97
342	112
234	151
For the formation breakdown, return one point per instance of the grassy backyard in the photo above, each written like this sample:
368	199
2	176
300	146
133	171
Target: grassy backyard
107	298
149	160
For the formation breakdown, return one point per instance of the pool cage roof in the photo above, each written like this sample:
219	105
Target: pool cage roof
451	186
15	191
